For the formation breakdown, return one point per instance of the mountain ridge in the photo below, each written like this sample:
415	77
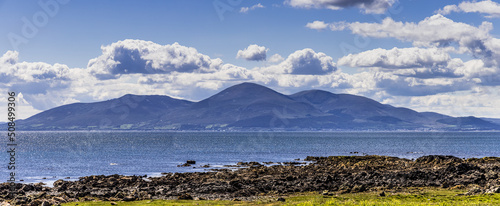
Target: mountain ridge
247	106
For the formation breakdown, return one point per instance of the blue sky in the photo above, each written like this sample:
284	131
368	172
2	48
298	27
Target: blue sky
388	50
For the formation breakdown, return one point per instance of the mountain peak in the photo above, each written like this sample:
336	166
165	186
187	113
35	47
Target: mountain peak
245	90
314	96
248	86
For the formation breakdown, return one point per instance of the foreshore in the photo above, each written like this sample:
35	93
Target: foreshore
328	175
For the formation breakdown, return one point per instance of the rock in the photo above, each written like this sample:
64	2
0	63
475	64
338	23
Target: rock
4	204
185	196
114	199
493	190
248	164
293	163
280	199
457	187
45	203
113	203
437	159
59	199
36	202
27	188
40	195
129	198
20	192
184	165
236	200
359	188
120	195
474	191
191	162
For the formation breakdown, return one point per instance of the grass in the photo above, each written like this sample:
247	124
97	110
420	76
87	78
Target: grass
410	196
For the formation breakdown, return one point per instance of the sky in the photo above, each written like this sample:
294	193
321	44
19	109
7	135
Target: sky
440	56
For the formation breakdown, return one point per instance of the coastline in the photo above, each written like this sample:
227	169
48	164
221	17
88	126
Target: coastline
334	174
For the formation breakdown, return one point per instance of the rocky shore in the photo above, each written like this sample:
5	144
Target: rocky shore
336	174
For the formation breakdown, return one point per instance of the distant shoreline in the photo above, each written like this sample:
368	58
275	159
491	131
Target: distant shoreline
335	174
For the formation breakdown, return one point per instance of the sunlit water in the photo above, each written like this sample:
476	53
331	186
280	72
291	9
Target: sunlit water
48	156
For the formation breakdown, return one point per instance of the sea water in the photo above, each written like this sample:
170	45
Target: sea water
50	155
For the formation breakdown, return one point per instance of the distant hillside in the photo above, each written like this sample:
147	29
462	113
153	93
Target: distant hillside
492	120
247	106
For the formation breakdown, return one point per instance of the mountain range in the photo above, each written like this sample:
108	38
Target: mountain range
248	106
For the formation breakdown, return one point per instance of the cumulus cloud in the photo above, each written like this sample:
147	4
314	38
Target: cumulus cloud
305	61
246	9
138	56
253	52
397	58
488	7
276	58
367	6
13	71
32	77
40	86
434	31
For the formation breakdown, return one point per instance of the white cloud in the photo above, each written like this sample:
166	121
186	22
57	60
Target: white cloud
138	56
318	25
367	6
253	52
305	61
276	58
434	31
397	58
488	7
15	72
246	9
479	101
448	9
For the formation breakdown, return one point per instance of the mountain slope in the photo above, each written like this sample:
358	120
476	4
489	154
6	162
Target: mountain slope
120	112
365	109
247	106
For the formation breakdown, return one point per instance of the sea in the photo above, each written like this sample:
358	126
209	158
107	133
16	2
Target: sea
46	156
